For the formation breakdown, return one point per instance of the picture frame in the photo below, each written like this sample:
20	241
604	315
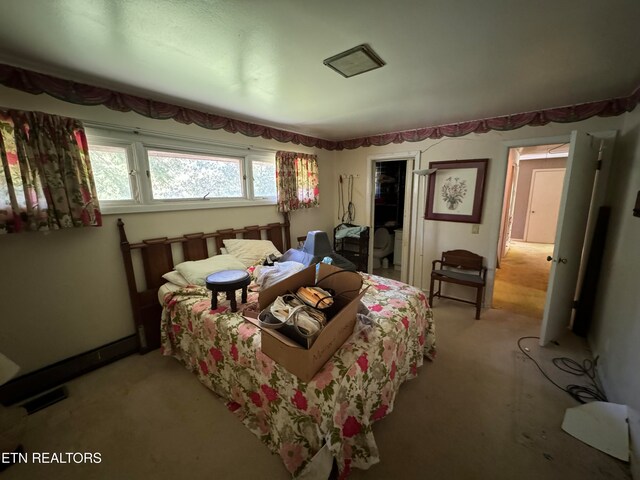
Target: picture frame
456	190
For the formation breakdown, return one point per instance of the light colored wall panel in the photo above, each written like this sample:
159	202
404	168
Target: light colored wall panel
615	332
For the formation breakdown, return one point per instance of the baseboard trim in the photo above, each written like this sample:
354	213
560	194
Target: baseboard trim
49	377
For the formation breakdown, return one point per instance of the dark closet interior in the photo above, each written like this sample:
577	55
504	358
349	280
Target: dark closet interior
389	201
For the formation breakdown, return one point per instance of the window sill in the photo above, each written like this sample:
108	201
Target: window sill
107	209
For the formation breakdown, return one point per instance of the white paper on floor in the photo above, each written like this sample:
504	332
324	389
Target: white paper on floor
602	425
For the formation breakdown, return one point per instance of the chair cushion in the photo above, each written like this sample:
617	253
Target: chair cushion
467	277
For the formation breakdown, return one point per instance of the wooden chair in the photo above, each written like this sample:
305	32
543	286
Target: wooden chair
462	268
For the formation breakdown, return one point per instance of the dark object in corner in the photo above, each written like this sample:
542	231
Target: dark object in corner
4	465
587	299
46	399
636	210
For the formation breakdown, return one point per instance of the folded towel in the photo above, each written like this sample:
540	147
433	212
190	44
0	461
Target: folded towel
352	232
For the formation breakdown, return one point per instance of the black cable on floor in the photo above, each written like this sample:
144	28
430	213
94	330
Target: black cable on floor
581	393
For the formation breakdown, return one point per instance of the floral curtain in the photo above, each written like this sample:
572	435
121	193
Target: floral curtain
46	182
297	178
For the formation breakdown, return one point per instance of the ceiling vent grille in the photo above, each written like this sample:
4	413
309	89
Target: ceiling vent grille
354	61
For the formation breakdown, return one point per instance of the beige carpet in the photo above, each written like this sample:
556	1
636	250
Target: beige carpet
521	281
480	411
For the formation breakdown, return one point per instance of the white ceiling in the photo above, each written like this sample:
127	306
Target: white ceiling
542	151
261	60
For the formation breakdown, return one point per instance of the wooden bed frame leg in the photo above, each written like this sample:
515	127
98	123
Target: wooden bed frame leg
287	232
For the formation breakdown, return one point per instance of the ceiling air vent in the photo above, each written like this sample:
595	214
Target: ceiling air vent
354	61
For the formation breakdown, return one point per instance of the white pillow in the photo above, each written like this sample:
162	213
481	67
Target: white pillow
250	252
176	278
196	272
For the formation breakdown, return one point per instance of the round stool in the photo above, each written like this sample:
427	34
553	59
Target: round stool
228	281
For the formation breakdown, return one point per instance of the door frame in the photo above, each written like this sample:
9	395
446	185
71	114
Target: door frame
410	214
508	205
494	239
597	199
533	174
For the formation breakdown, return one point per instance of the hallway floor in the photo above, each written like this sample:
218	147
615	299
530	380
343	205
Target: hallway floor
521	281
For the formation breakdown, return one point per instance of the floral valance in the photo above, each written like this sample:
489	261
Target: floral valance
46	182
82	94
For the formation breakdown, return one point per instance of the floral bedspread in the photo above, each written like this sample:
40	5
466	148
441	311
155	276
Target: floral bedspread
339	406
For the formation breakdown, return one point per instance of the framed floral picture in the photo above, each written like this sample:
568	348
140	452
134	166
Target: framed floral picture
456	190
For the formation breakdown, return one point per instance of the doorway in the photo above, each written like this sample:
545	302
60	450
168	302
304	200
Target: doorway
390	196
533	191
388	217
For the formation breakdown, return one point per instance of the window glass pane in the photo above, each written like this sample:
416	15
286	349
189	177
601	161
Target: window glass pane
111	172
181	176
264	179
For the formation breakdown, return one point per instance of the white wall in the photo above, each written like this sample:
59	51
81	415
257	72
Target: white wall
615	334
65	292
440	236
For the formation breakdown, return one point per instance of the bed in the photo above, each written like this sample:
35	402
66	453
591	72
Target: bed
335	411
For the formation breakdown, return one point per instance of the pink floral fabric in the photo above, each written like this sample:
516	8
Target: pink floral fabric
46	182
297	181
357	387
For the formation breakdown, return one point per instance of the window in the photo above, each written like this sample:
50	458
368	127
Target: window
264	178
111	172
177	175
143	172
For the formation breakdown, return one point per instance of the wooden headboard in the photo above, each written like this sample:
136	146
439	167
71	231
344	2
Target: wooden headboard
157	259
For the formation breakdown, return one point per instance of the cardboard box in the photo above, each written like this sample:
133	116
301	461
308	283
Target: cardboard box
301	362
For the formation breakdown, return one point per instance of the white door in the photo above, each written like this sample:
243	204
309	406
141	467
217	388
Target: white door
544	204
574	211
